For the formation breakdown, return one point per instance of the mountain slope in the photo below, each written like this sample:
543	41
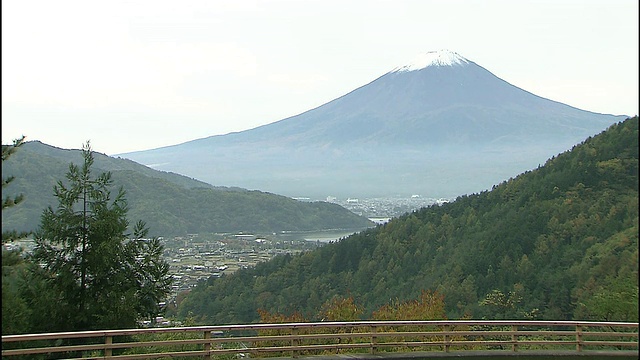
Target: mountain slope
445	128
171	204
107	163
557	241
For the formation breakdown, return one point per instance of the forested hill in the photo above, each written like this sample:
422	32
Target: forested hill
558	242
170	204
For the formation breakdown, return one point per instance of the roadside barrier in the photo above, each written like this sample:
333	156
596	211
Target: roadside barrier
326	338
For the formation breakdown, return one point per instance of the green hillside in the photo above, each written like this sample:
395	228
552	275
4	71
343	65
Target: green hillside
108	163
558	242
170	204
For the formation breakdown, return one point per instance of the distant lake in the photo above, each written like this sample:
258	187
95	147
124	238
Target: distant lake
324	236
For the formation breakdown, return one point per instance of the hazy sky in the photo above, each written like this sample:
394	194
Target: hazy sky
136	75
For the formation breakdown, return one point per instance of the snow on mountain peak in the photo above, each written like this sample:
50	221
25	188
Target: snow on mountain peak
433	58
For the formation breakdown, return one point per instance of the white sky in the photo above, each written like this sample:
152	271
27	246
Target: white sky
135	75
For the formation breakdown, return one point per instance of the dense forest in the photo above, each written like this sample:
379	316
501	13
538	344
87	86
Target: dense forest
557	242
171	204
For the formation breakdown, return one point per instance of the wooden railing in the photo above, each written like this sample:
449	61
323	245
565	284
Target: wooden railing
301	339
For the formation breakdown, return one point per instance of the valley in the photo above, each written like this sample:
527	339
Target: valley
196	257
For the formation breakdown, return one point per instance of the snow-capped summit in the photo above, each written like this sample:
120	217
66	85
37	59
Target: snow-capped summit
433	58
451	127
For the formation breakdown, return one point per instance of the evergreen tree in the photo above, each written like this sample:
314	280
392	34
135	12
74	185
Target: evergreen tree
94	274
9	201
14	309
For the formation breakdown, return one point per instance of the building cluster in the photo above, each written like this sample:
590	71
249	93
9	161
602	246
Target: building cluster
193	258
385	208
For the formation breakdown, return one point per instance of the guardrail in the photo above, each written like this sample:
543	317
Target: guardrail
302	339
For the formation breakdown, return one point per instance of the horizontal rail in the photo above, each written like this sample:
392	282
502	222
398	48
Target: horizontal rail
297	339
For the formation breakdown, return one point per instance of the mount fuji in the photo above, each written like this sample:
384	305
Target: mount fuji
439	126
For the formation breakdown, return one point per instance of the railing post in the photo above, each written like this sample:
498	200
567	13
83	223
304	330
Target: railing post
108	352
578	338
207	345
295	342
374	338
446	338
514	338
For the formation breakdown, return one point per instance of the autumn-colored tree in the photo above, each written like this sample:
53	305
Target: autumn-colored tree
430	306
267	317
340	309
500	304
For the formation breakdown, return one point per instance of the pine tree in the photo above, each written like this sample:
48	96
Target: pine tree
15	310
97	275
9	201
